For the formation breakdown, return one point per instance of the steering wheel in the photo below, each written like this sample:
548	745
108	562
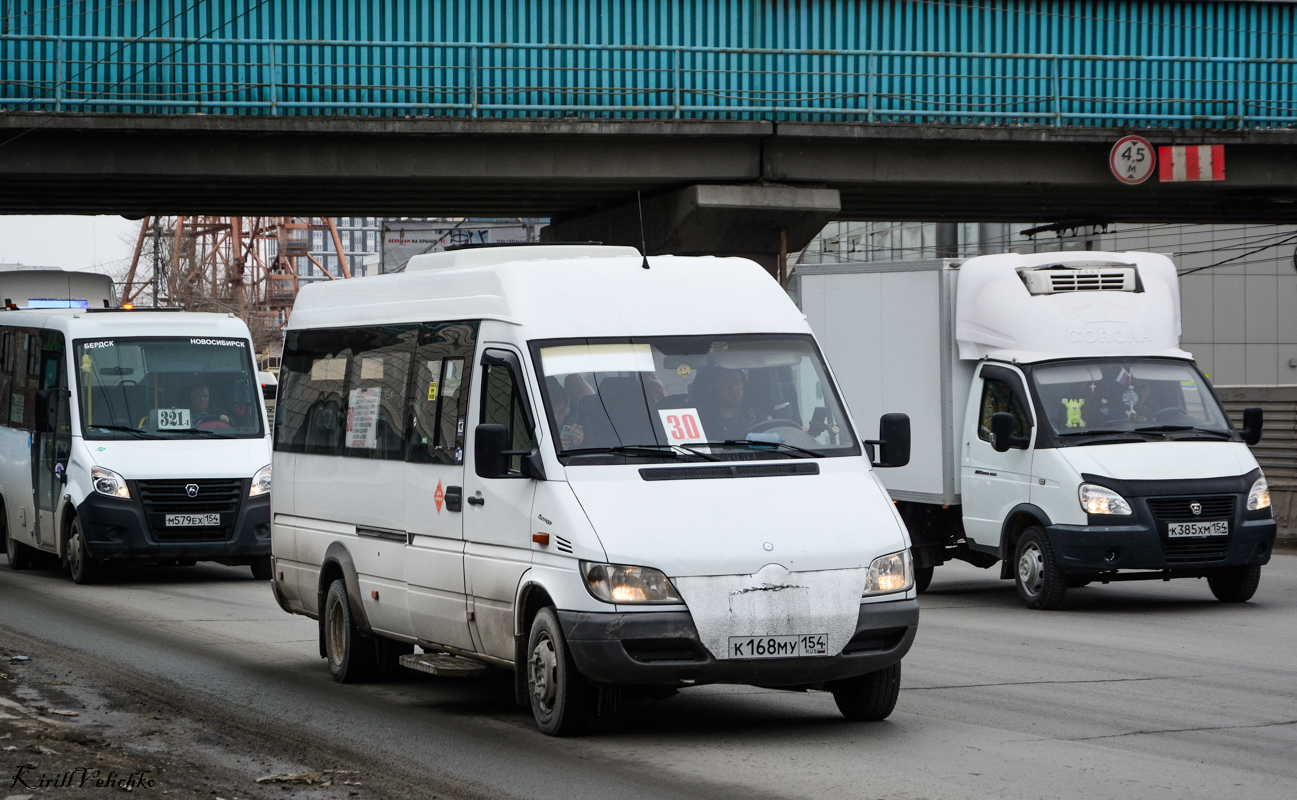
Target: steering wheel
770	424
1163	414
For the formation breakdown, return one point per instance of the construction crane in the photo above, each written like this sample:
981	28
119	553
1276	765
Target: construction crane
243	265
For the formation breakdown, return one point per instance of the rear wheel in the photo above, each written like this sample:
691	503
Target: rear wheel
1235	584
922	578
869	697
562	700
351	655
262	568
1041	584
84	568
21	556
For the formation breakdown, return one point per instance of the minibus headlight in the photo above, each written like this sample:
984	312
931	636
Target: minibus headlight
1259	497
1102	500
616	583
110	483
260	482
890	573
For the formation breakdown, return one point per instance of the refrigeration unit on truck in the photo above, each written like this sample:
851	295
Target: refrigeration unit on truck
1058	428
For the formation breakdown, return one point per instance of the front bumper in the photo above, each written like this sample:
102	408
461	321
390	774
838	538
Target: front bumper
118	529
663	648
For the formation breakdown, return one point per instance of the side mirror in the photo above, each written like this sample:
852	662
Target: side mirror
47	410
1001	431
894	441
490	443
1251	425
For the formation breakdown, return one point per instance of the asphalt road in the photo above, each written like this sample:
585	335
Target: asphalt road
1134	690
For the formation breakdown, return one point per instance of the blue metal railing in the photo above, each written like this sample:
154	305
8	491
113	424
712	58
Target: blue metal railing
100	74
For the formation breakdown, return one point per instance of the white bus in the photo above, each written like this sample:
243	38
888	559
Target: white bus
615	481
131	436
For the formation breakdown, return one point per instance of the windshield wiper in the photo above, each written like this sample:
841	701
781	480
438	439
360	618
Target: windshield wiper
1194	428
135	431
1110	432
668	450
778	445
203	431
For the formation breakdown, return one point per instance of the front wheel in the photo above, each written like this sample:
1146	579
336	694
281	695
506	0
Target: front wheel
869	697
922	578
83	567
1235	584
262	568
562	700
351	656
1041	584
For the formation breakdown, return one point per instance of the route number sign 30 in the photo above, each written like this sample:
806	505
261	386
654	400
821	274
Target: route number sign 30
1132	159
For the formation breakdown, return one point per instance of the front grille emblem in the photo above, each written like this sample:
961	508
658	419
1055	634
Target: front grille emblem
1196	508
191	489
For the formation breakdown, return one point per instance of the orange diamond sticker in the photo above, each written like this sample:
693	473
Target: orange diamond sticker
439	497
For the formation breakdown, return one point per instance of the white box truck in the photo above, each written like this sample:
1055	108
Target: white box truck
1058	428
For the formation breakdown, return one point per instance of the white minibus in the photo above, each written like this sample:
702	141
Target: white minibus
131	436
617	477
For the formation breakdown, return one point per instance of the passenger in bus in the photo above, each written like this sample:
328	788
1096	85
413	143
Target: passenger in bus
572	433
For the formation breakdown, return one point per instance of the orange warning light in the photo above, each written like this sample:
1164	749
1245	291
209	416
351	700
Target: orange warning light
541	539
128	306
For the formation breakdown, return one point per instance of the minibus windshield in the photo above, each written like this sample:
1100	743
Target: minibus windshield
735	397
166	388
1149	396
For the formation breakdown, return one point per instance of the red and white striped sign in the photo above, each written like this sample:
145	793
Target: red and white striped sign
1200	162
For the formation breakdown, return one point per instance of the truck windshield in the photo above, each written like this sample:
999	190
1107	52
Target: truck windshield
737	397
166	388
1125	394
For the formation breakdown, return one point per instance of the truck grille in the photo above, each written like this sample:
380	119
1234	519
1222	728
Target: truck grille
214	496
1180	509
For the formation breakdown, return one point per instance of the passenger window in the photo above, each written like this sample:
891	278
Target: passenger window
438	403
310	414
502	404
26	377
998	397
6	372
376	392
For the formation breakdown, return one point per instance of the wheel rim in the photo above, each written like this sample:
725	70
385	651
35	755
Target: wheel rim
337	632
1031	569
543	671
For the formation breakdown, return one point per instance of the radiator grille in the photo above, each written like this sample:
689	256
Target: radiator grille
214	496
1180	509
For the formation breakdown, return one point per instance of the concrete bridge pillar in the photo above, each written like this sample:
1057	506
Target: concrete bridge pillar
709	220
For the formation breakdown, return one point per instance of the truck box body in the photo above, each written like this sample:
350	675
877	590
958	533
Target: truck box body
887	330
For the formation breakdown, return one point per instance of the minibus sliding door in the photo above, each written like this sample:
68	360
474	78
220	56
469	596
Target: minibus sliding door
51	437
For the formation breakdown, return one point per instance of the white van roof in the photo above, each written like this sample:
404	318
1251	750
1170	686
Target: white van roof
1060	305
557	294
80	324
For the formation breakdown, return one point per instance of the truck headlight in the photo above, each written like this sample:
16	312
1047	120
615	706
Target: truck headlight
110	483
1102	500
260	482
616	583
1259	497
890	573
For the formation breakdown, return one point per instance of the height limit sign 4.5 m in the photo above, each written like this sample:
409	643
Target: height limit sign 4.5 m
1132	159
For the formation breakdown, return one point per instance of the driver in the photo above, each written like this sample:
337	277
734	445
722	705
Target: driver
200	398
729	416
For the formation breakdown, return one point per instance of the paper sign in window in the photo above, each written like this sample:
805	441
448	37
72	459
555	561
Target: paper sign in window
682	425
371	368
328	369
362	418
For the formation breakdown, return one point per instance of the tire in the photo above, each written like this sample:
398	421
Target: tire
186	562
1235	584
562	700
262	568
351	655
1041	584
21	556
82	566
387	659
869	697
922	578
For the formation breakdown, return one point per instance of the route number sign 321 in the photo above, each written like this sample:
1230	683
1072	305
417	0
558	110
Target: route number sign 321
1132	159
